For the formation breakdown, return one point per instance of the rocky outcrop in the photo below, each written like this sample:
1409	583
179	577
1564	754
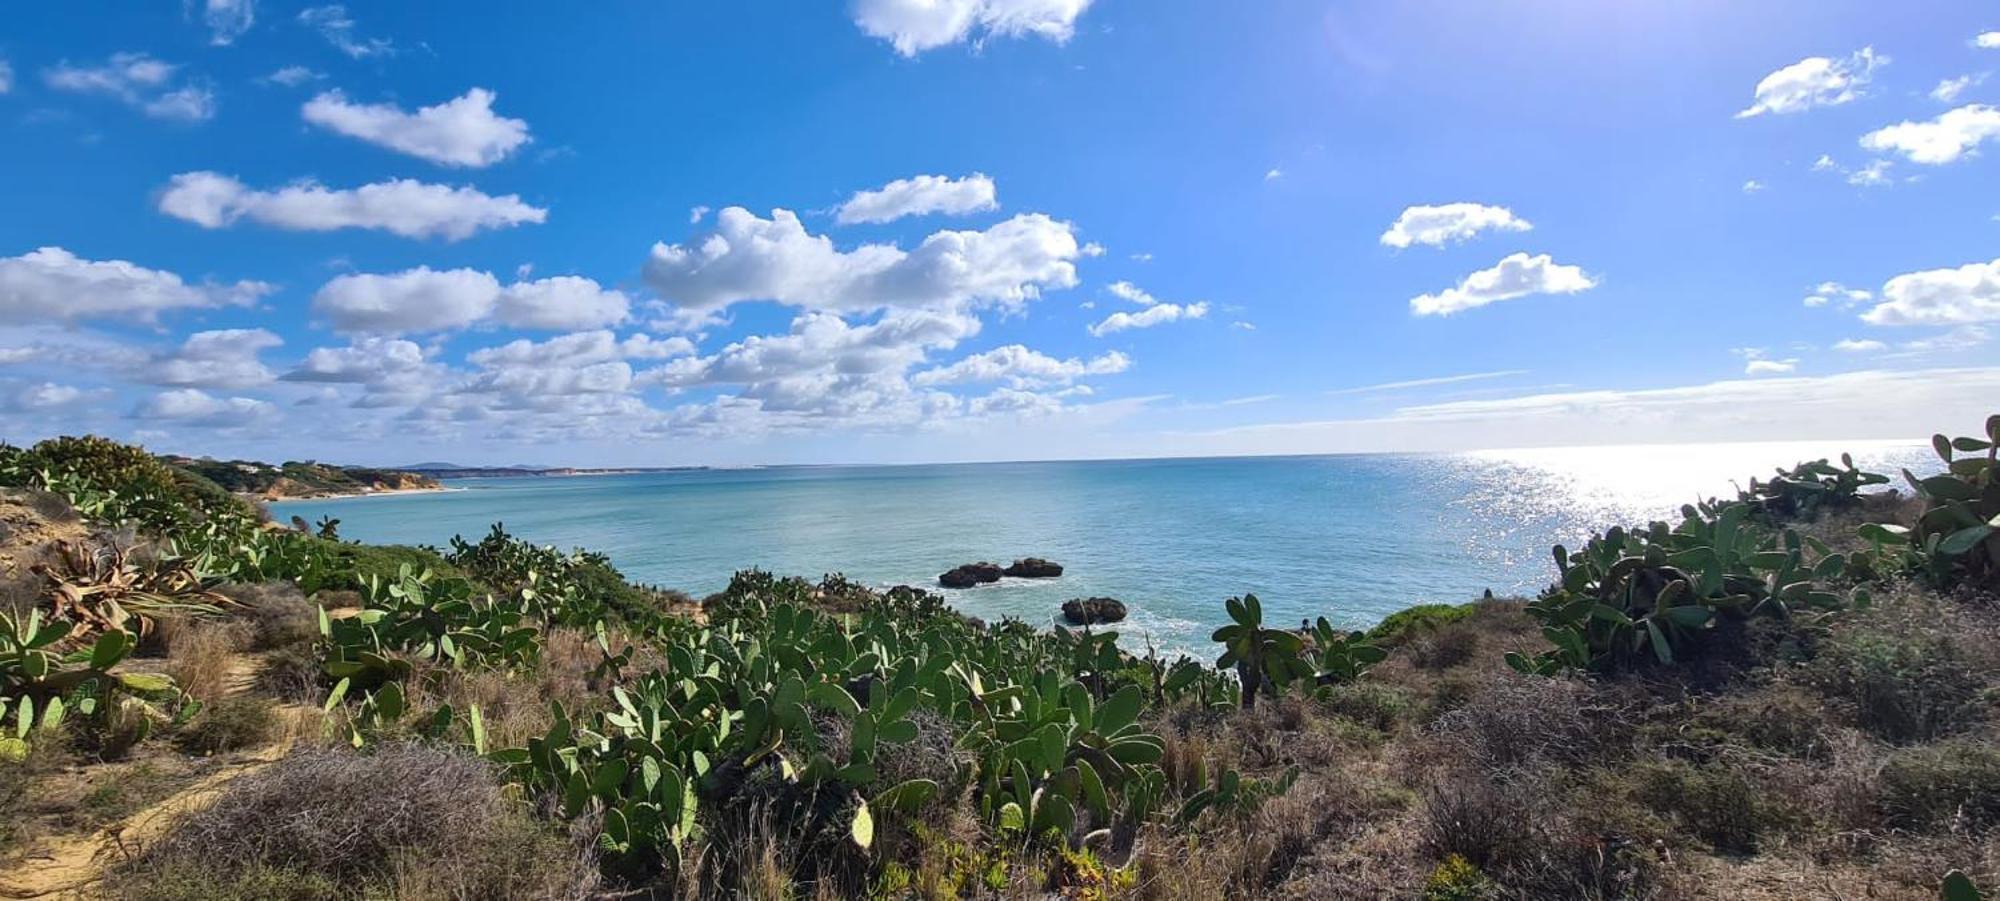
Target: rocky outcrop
971	574
1034	568
1092	611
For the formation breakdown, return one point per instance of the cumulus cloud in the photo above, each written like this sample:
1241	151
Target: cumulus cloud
224	358
405	207
1753	186
1770	367
1989	40
333	23
192	406
560	303
1814	81
366	361
1451	222
580	349
1517	275
922	195
1022	367
42	397
822	345
913	26
1965	295
416	300
460	132
227	20
425	300
140	81
1155	312
1953	134
747	258
1835	292
1859	345
53	285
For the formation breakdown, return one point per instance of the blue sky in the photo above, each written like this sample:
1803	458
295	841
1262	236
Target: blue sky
905	230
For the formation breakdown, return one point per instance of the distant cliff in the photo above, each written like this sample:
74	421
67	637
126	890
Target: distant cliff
297	479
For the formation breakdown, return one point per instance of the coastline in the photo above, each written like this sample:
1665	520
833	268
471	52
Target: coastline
336	496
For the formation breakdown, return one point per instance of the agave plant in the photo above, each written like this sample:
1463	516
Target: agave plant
102	588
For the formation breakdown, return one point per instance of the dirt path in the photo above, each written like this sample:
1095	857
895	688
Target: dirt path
69	866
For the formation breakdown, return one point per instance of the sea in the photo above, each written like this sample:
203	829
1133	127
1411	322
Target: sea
1350	537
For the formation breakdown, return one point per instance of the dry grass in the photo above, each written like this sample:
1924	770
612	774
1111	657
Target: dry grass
200	653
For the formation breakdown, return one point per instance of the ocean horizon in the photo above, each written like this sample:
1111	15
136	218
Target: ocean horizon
1354	537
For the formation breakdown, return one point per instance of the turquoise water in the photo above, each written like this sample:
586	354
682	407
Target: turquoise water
1354	538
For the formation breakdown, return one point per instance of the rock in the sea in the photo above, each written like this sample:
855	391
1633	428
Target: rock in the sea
1035	568
970	574
1091	611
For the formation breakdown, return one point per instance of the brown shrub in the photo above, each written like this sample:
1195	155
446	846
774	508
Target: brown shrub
230	724
1517	722
357	820
281	615
199	653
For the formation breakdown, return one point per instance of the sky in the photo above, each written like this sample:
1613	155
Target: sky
938	230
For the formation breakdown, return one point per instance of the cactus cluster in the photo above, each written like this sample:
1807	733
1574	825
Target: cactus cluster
1657	594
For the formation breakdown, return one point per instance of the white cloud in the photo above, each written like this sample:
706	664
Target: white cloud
1951	135
1989	40
1155	312
1517	275
1829	292
913	26
333	24
188	104
1430	382
140	81
404	207
580	349
1859	345
1968	294
53	285
42	397
425	300
696	214
416	300
366	361
460	132
565	302
1770	367
1814	81
1022	367
293	76
1273	174
1964	337
1874	174
1948	89
6	77
193	406
228	19
747	258
1450	222
225	358
918	196
1752	186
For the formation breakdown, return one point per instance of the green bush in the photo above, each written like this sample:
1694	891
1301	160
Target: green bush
1950	785
1907	680
1408	622
1716	803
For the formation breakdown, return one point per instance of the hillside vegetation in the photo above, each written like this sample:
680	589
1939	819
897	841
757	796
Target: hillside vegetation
299	478
1782	695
